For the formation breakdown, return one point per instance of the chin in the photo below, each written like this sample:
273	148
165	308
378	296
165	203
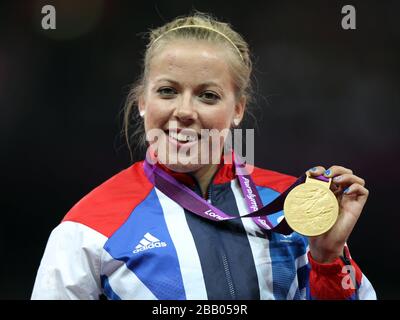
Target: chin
183	162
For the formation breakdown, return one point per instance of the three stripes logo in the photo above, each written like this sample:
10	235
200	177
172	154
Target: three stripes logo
149	242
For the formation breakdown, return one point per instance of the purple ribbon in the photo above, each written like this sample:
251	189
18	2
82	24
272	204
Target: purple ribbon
191	201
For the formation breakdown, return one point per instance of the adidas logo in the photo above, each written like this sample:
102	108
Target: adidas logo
149	242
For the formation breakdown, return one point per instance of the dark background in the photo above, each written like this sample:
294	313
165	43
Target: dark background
325	96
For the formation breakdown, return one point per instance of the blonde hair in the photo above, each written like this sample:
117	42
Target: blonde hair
199	26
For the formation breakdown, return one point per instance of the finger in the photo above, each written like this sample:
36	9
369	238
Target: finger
347	179
316	171
356	190
337	191
336	170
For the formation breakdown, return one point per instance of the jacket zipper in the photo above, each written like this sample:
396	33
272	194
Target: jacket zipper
228	275
227	271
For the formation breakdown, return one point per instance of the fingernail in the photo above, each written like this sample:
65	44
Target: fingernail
346	190
313	169
338	178
327	172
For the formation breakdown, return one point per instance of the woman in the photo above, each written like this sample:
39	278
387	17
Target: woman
134	238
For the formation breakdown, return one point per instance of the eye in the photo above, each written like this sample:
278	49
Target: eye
166	92
210	97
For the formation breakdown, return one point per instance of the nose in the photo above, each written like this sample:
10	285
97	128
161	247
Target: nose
185	111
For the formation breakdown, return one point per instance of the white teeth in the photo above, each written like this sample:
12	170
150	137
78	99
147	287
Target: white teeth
182	137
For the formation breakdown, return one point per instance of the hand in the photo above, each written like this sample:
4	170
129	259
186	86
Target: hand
351	195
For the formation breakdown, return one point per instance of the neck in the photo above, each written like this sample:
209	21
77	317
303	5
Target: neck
204	176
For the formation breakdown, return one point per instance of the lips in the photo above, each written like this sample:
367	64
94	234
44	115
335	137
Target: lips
183	135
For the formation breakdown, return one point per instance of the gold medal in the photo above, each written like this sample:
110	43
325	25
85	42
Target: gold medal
311	208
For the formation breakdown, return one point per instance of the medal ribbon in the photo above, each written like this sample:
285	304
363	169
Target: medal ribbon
191	201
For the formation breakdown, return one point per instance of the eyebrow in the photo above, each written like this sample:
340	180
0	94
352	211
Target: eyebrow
204	84
168	80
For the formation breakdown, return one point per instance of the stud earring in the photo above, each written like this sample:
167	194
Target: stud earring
236	122
141	113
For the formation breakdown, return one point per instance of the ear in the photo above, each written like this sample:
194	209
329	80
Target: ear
239	110
141	105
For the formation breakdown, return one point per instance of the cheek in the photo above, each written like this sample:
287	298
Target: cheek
220	119
156	115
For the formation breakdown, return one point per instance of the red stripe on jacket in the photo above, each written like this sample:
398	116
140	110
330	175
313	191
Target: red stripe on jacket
109	205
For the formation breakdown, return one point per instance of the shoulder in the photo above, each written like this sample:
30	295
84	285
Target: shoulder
272	179
108	206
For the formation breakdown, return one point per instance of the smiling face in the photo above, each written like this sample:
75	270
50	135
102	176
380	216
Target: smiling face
189	88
